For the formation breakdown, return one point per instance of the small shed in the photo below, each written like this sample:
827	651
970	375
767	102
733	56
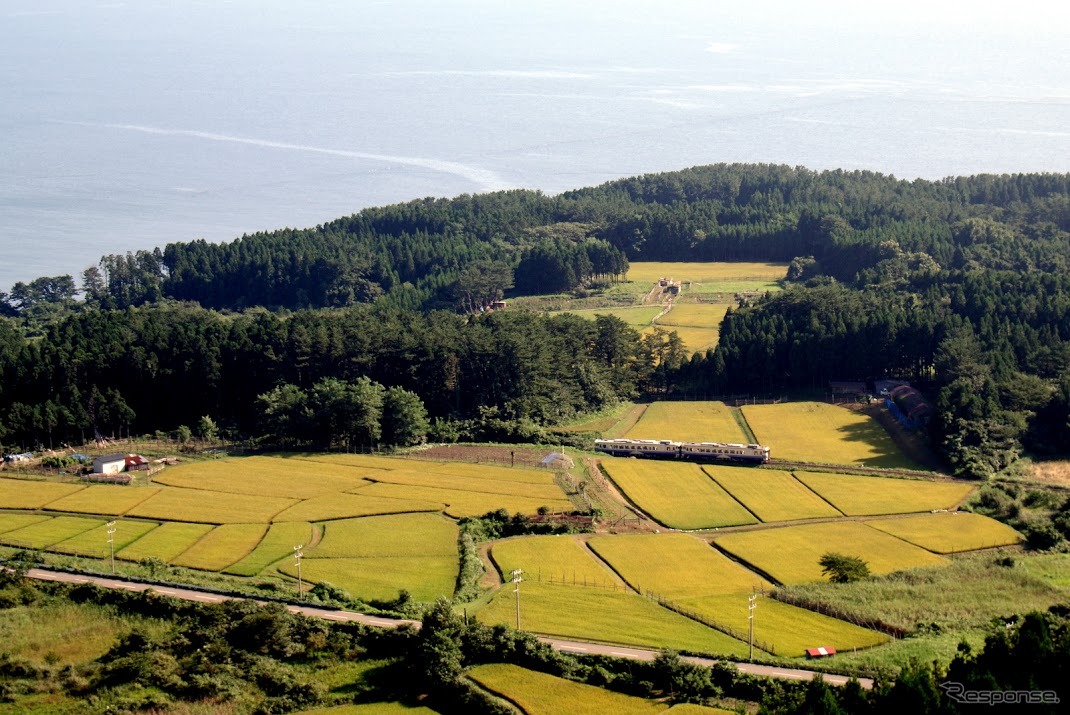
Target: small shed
136	463
109	464
820	652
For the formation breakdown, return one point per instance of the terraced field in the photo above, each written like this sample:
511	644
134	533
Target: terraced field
43	534
103	499
689	573
165	542
824	434
264	476
382	578
560	558
29	494
210	507
94	543
409	535
637	316
688	422
705	316
278	543
677	494
771	495
866	496
222	547
542	694
950	533
790	554
603	615
708	274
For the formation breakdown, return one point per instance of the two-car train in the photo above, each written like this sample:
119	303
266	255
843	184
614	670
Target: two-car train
699	451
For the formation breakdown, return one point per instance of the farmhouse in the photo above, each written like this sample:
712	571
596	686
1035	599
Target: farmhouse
109	464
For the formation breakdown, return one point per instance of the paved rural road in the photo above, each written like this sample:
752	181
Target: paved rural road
565	646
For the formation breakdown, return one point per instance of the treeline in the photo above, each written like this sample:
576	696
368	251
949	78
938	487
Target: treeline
348	378
413	254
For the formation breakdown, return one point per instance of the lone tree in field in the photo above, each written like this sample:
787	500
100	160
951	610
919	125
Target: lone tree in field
843	569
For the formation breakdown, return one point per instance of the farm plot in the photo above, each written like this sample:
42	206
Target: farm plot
263	476
637	316
679	495
382	578
165	542
224	546
772	495
871	496
278	543
395	535
674	566
550	558
694	339
199	505
542	694
604	615
706	273
459	503
824	434
10	522
45	533
790	554
547	491
688	422
462	469
787	630
706	316
949	533
27	494
94	543
103	499
344	506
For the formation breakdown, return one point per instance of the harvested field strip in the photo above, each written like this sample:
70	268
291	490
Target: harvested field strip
679	495
865	496
771	495
950	533
10	522
165	542
626	423
790	554
27	494
343	506
541	694
603	615
546	491
383	578
461	503
278	543
697	272
394	535
222	547
104	499
695	315
674	566
824	434
263	476
198	505
787	629
94	543
688	422
543	558
43	534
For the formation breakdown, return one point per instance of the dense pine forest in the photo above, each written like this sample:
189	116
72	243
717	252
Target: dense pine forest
368	330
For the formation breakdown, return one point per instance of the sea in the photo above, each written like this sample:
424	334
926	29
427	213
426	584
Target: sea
130	125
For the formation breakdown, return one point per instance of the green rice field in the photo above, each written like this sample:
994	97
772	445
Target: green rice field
688	422
950	533
408	535
381	578
790	554
560	558
166	542
94	542
771	495
222	547
278	543
677	494
865	496
43	534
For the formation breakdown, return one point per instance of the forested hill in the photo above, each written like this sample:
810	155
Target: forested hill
467	251
958	285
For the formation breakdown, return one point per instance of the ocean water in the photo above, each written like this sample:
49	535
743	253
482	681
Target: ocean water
131	125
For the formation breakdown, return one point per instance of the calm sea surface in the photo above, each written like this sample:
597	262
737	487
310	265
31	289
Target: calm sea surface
131	125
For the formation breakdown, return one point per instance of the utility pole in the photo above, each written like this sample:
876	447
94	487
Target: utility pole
111	544
516	590
298	553
752	602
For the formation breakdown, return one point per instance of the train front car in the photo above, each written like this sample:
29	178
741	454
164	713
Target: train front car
665	449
